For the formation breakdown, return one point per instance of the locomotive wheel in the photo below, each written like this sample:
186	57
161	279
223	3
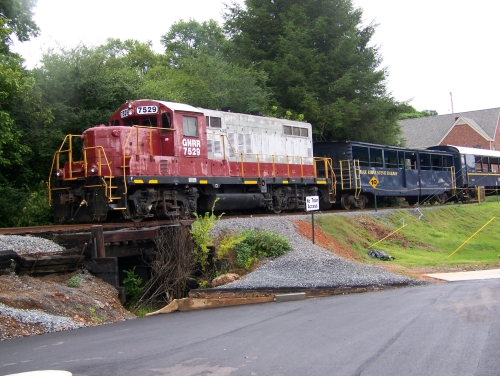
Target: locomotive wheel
344	202
442	198
361	203
412	200
433	200
131	215
184	212
277	210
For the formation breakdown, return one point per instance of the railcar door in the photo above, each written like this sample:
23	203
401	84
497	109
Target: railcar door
411	176
166	134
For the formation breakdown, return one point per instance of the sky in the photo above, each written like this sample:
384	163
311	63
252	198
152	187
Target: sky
440	54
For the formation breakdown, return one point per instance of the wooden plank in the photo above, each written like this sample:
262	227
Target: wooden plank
98	240
48	269
46	260
113	236
189	304
119	236
8	254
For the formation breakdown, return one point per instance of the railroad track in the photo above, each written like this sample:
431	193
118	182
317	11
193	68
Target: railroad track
84	227
139	225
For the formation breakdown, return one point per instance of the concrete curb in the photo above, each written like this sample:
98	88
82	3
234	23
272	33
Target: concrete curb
290	297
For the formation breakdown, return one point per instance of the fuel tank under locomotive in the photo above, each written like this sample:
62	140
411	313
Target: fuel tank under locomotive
231	201
277	198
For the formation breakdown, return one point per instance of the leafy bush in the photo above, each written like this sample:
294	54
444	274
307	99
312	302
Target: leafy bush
24	207
255	244
228	241
267	243
36	210
75	281
244	252
200	231
132	284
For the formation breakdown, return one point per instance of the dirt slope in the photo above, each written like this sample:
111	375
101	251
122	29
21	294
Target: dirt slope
94	302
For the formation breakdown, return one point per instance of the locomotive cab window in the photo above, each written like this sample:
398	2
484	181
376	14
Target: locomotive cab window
190	126
130	122
149	122
166	120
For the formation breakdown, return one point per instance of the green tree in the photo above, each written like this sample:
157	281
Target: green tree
191	38
320	64
198	72
23	200
409	112
83	86
18	15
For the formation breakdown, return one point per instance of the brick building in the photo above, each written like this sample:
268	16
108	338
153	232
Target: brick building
475	129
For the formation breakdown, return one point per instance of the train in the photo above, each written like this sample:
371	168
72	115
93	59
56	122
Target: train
437	174
160	159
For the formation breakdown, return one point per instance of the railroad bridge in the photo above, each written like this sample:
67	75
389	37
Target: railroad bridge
105	250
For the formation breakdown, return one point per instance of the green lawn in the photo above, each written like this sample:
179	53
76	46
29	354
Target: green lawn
429	241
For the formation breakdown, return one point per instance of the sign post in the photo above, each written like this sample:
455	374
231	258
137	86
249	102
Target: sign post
312	204
374	182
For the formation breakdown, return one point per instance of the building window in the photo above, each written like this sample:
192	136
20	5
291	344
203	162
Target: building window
190	126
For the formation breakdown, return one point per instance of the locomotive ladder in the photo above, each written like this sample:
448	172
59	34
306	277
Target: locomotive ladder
345	175
453	181
350	179
357	178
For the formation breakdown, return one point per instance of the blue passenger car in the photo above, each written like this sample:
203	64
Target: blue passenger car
477	171
364	170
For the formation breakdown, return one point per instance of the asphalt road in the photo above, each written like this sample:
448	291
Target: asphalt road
442	329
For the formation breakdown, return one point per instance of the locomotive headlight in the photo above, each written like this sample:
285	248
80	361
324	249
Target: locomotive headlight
93	170
130	112
60	174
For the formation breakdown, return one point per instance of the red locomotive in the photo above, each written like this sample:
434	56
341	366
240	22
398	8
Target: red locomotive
163	159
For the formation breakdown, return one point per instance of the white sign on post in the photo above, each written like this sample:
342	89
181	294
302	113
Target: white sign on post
312	203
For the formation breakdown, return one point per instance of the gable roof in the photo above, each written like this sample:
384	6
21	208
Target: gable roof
431	130
472	124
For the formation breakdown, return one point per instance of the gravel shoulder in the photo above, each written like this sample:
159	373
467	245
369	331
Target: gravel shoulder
307	265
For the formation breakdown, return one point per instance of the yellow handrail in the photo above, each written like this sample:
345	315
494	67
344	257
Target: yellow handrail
241	156
99	166
124	149
56	161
